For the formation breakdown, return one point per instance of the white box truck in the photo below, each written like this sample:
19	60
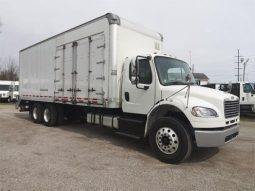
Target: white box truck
244	90
4	90
113	73
8	90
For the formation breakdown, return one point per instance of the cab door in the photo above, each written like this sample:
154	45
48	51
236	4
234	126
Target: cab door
138	91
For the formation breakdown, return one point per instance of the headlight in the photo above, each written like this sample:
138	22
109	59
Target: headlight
203	112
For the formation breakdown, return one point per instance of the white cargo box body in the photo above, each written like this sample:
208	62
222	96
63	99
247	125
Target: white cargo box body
83	65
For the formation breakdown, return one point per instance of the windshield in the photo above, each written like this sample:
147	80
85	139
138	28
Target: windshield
253	86
4	87
248	88
172	71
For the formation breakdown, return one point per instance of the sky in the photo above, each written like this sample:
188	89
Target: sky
204	33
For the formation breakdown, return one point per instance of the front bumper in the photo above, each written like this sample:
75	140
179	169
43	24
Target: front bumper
216	137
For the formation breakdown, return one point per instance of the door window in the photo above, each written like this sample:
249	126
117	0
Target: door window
144	72
247	88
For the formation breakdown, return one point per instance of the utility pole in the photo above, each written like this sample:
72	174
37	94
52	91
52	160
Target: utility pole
244	67
239	60
190	59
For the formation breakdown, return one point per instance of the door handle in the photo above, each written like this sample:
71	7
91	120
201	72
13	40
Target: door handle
127	96
91	90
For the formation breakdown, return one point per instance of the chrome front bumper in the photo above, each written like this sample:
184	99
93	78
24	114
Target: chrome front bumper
216	137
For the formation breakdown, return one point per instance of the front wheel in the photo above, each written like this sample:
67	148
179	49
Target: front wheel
169	140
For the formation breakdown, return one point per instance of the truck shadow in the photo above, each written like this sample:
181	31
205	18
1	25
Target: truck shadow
112	136
202	154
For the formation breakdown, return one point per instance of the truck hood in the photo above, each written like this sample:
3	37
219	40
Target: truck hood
198	96
198	92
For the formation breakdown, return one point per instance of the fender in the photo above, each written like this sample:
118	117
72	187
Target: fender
166	108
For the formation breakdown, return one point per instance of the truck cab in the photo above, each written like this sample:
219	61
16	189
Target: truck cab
244	90
5	91
178	111
247	97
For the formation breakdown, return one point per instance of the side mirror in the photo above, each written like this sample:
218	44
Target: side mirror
229	86
188	78
137	66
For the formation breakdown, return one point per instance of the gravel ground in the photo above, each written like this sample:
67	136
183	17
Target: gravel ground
82	157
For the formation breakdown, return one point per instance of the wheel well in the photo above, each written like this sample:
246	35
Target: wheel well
31	103
169	111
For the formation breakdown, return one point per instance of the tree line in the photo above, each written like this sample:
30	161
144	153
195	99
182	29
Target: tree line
9	69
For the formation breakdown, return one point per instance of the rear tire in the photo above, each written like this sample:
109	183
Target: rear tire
35	113
50	115
169	140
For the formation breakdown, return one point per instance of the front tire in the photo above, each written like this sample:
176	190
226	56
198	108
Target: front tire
169	140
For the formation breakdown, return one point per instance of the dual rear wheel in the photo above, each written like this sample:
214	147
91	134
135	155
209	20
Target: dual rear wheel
46	114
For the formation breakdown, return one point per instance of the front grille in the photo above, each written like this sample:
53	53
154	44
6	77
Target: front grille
231	108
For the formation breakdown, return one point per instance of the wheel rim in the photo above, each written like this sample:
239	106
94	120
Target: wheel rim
167	140
35	113
46	115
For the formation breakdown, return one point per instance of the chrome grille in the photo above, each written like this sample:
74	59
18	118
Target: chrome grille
231	108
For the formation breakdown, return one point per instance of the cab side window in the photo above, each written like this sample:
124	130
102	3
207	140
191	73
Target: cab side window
247	88
144	72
